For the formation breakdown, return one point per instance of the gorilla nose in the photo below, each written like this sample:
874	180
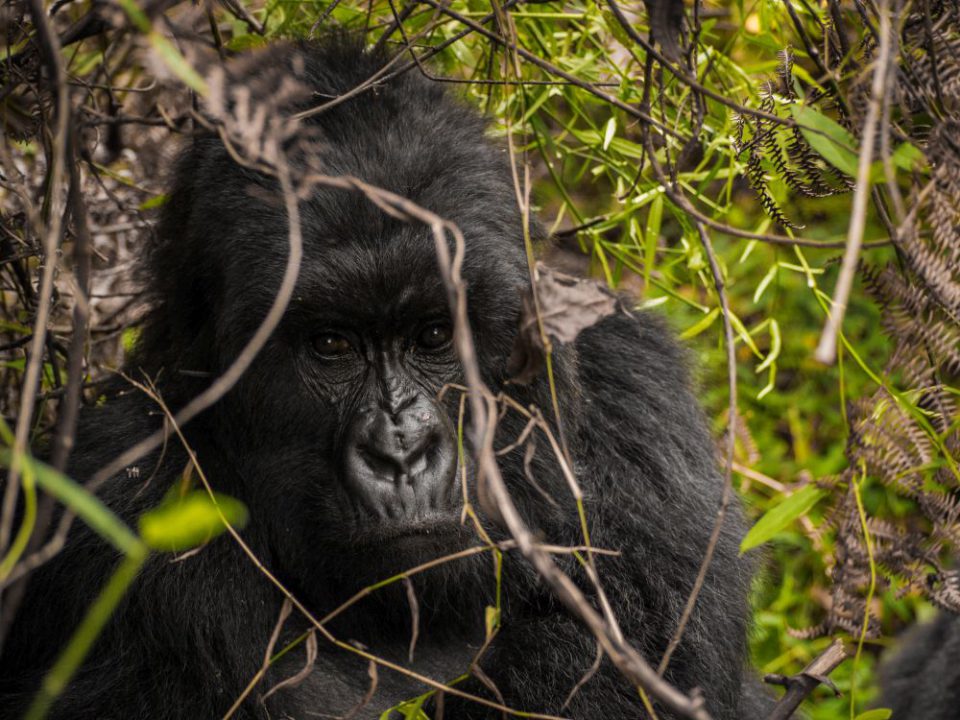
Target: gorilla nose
403	464
399	457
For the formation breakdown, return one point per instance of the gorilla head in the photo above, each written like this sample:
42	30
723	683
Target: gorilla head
339	428
344	440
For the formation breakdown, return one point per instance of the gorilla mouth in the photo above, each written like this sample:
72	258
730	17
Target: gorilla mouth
442	528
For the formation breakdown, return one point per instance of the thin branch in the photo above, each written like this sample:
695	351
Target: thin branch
827	348
800	686
484	410
217	389
687	80
304	611
554	70
54	64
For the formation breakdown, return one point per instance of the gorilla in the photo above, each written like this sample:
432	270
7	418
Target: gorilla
343	440
921	681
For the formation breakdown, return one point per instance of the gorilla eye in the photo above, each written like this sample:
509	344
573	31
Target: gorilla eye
331	346
435	336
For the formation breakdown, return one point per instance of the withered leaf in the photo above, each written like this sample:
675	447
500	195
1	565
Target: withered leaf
568	305
304	672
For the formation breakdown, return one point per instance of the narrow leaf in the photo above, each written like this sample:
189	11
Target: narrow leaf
698	327
830	139
908	157
778	517
876	714
177	63
609	132
86	505
652	238
186	522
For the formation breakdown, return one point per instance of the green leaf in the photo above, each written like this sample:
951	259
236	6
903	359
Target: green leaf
129	338
764	282
136	15
409	709
701	325
491	618
166	50
86	505
156	201
875	714
830	139
652	238
13	327
186	522
781	515
177	63
609	132
908	157
249	41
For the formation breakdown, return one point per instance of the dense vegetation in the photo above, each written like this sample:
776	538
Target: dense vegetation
730	163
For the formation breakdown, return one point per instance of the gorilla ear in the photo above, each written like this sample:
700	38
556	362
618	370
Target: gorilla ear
528	355
564	307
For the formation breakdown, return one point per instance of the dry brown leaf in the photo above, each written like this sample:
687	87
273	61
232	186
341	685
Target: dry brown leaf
568	305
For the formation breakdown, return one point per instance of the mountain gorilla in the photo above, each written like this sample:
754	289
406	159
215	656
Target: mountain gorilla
345	451
922	679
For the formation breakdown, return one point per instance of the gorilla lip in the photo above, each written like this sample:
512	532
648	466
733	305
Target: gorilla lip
428	527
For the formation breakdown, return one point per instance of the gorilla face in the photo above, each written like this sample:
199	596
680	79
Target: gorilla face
356	470
398	457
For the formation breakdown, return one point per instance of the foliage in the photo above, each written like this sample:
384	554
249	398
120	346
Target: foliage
755	112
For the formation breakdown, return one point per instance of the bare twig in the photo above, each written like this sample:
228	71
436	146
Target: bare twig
71	393
82	252
827	348
53	226
483	406
688	80
800	686
217	389
554	70
414	617
238	10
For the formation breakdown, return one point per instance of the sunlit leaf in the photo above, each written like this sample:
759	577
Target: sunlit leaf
698	327
185	522
781	515
830	139
609	132
491	619
875	714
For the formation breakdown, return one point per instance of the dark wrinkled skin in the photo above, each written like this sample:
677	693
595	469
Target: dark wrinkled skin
337	442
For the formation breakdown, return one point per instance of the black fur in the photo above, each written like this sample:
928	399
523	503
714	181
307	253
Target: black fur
921	681
191	634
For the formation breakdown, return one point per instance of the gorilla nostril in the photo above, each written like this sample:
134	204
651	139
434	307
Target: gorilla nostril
381	465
